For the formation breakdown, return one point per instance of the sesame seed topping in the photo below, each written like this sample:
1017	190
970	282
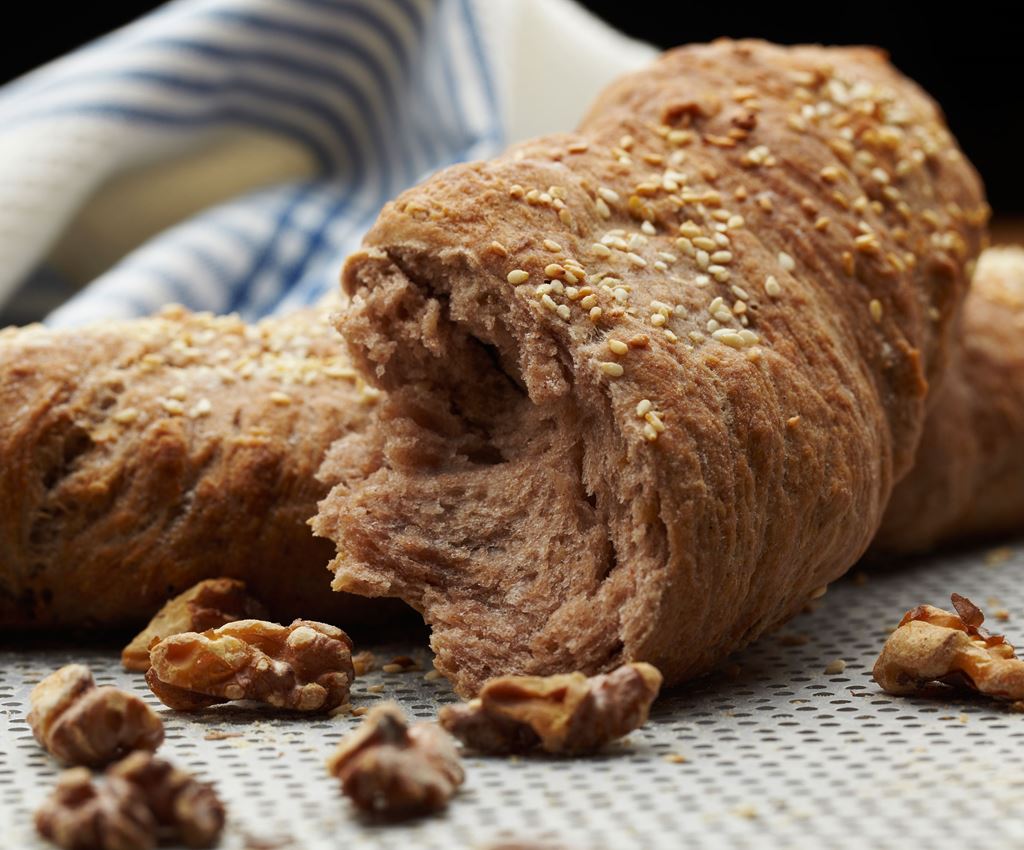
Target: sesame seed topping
786	261
636	259
595	313
518	276
658	319
600	250
126	416
549	303
612	370
771	286
516	191
563	311
648	228
617	346
588	302
602	208
654	421
551	245
875	306
650	434
609	195
644	406
280	398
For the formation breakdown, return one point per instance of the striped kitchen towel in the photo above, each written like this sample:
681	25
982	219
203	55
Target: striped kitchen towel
227	154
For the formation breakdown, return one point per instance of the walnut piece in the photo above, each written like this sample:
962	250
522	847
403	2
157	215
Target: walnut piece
394	770
209	604
188	810
567	713
83	815
306	666
82	724
933	645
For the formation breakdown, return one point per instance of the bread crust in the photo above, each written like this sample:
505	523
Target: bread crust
140	457
513	488
968	476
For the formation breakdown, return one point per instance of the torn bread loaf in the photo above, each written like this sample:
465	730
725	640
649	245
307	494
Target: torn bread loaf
968	476
141	457
650	385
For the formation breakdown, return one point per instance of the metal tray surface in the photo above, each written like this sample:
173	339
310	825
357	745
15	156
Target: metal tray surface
773	751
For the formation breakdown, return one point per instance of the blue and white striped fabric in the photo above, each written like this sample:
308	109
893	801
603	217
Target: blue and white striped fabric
227	154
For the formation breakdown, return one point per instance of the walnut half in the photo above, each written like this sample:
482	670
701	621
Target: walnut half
567	713
206	605
306	666
394	770
82	724
933	645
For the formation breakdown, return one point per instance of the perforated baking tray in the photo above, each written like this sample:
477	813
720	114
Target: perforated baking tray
772	752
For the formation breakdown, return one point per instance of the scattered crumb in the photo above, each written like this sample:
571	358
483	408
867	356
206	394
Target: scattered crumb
747	811
962	718
432	675
675	758
345	710
999	556
1001	614
359	712
835	667
401	664
363	662
793	639
218	735
375	689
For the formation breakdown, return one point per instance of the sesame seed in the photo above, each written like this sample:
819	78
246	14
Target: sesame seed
609	195
686	246
600	250
636	259
612	370
589	302
565	217
126	416
545	198
602	208
704	243
179	393
595	313
549	303
572	293
518	276
648	228
740	292
498	249
516	191
771	286
553	270
723	257
643	407
690	229
203	408
650	434
657	319
654	421
563	312
551	245
280	398
875	306
667	257
617	346
172	406
786	261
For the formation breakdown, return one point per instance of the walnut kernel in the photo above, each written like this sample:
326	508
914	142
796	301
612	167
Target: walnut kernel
306	666
933	645
394	770
82	724
567	713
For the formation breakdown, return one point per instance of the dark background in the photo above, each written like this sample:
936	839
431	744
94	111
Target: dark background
969	56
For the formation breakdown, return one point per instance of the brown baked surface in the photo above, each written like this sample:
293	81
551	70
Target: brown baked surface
141	457
510	491
968	478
